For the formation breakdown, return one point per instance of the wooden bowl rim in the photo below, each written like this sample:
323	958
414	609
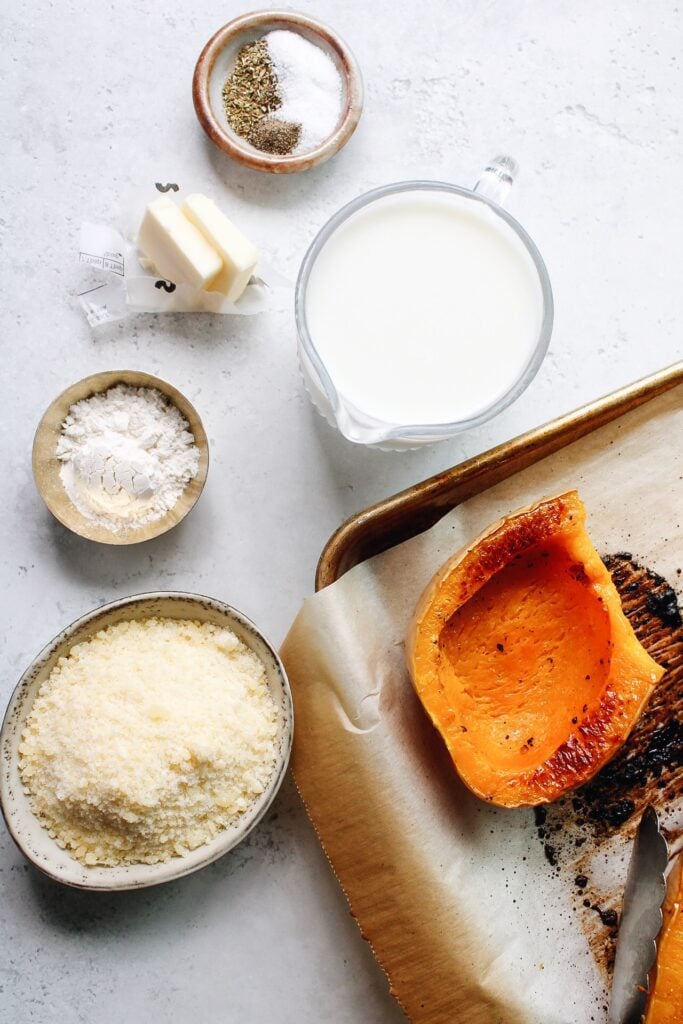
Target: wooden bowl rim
46	465
244	153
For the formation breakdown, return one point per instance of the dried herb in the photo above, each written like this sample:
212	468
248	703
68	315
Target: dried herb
274	136
251	91
251	95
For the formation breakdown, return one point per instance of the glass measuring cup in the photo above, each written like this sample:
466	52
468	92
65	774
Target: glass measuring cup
356	425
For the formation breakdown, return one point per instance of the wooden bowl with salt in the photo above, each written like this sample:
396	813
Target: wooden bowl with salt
47	466
217	61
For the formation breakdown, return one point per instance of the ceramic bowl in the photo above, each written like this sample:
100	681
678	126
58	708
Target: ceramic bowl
46	465
30	836
215	63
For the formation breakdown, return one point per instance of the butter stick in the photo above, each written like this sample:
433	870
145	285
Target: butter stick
237	253
177	249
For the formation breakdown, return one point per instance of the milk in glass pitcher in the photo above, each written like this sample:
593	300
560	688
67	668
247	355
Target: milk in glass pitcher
422	309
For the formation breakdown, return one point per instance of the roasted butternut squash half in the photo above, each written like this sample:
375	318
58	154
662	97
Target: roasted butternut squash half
665	1005
524	660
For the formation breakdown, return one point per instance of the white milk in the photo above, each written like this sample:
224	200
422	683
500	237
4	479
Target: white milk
425	308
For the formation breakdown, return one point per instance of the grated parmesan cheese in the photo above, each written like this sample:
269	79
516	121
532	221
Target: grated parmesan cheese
147	740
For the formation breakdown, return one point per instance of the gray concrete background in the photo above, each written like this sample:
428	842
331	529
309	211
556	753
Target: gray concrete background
95	102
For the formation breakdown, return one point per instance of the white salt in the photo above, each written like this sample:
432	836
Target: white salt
310	87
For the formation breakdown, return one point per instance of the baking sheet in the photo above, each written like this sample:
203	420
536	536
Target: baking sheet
404	515
458	899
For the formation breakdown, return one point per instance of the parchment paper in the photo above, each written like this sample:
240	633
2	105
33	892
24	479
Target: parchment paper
457	898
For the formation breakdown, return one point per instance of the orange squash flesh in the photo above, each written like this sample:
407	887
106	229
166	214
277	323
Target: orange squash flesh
523	658
665	1005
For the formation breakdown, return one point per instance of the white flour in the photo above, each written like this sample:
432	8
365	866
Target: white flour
127	455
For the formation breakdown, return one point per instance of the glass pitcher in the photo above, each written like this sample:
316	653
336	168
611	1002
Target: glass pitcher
360	428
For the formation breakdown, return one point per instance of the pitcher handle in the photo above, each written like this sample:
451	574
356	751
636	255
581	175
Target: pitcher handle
497	179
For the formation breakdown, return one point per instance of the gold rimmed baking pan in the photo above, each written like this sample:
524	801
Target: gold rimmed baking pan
457	898
408	513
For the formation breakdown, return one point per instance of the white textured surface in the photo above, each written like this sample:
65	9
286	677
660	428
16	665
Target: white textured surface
96	101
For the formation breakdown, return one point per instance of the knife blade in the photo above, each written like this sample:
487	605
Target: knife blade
641	922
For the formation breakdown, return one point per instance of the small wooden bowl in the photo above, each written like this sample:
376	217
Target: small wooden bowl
215	63
46	465
33	839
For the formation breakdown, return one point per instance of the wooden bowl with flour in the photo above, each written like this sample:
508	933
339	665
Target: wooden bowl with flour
47	466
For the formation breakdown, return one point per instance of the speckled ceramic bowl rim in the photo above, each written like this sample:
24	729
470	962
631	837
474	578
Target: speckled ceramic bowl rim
263	21
22	824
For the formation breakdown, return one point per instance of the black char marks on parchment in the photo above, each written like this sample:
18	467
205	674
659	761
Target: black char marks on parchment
647	769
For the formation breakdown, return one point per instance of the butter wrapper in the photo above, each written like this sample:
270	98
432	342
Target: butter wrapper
119	282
